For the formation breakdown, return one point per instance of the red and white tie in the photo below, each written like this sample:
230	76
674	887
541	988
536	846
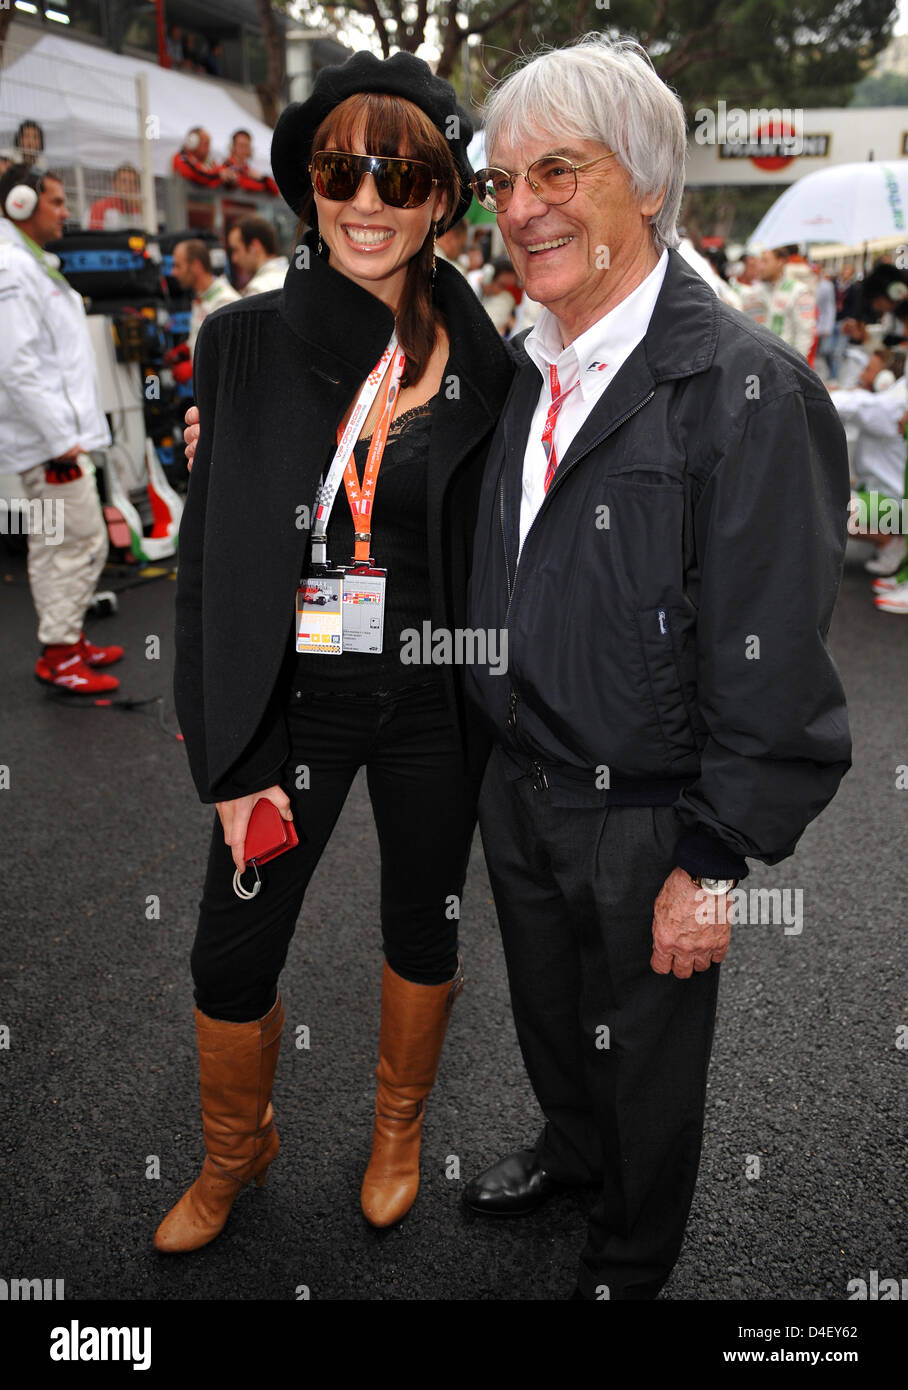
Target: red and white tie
548	433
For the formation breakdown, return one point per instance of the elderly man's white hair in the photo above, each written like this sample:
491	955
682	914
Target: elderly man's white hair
606	90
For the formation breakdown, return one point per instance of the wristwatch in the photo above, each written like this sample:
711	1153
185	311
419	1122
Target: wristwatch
713	885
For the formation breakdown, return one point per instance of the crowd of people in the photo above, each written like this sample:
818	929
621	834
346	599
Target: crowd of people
853	330
195	163
252	246
191	52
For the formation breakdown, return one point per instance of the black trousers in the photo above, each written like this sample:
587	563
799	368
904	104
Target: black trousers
617	1055
425	812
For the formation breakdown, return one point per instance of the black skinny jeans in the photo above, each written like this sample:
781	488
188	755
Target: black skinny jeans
425	810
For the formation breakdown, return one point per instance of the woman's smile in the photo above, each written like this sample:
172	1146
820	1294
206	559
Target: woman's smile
366	238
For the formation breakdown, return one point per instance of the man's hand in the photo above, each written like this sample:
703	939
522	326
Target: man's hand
681	943
70	456
235	818
191	434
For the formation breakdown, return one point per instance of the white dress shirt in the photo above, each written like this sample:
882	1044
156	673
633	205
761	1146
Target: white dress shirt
597	355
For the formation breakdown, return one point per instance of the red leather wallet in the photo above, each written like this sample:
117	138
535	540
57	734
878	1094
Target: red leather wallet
267	834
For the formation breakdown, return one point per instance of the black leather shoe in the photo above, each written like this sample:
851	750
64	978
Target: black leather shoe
516	1185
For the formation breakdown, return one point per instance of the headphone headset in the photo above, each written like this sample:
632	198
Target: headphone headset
22	199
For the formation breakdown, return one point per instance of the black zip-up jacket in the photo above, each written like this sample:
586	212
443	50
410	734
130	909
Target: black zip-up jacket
274	375
667	620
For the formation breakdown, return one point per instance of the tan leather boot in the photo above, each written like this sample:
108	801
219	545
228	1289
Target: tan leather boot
237	1062
414	1020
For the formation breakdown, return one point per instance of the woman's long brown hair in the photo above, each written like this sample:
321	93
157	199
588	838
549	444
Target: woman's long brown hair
391	125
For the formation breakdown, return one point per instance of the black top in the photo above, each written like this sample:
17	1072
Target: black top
400	545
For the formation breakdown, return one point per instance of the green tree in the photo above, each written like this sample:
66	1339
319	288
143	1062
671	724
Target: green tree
884	89
270	92
747	52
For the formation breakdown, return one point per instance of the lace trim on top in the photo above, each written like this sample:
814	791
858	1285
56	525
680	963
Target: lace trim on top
400	422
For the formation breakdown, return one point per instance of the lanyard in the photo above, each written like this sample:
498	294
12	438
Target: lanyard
558	398
343	465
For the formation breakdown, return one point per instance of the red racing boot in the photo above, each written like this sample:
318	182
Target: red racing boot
64	666
98	656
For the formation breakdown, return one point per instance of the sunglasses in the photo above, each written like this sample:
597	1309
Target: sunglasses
553	179
401	183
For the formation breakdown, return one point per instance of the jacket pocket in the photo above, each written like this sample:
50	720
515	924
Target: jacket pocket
660	633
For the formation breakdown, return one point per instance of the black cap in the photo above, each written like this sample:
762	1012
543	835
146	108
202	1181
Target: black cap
404	75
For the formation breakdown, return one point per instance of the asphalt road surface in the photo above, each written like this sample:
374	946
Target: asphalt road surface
804	1173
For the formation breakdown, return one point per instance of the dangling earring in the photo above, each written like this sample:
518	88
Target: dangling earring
320	245
435	228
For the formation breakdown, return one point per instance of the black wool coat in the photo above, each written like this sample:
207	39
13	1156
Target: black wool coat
274	375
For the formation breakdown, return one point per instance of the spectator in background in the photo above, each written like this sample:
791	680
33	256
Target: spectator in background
213	61
749	272
30	144
501	295
881	291
749	291
50	417
826	307
884	367
476	272
876	407
192	55
450	246
194	162
844	284
790	305
192	271
855	355
898	338
124	207
891	591
848	305
175	46
236	171
253	249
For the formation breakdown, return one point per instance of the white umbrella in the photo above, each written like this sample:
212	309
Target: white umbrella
850	203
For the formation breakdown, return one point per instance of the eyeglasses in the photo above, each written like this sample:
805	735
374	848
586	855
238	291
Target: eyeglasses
553	179
401	183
